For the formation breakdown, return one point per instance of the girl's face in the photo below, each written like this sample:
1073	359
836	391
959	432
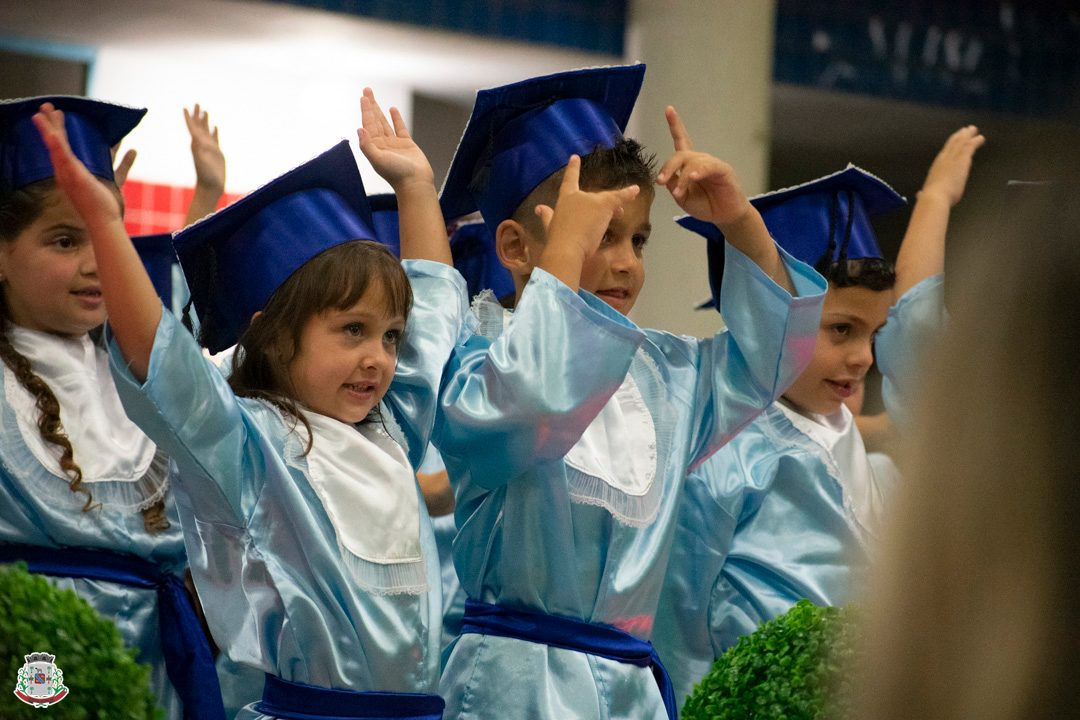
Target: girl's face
347	358
850	319
50	280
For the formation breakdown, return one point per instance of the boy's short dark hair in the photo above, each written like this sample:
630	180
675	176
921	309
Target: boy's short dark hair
872	273
625	163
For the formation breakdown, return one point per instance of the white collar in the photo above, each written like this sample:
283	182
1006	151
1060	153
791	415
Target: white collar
369	492
107	445
838	435
615	459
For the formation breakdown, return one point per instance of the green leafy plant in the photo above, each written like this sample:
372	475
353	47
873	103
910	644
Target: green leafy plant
790	668
102	676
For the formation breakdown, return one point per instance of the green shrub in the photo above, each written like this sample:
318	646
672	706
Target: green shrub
102	676
790	668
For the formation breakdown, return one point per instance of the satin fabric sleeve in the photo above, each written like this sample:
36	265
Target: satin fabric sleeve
914	324
708	518
437	323
768	342
532	391
187	407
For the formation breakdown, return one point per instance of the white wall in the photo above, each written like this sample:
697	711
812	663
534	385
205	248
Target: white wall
273	111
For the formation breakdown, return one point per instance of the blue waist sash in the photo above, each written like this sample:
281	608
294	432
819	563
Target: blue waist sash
188	659
590	638
297	701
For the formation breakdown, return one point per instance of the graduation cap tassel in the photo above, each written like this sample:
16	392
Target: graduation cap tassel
825	262
185	317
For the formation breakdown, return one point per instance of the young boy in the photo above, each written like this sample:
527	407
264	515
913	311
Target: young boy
785	510
566	429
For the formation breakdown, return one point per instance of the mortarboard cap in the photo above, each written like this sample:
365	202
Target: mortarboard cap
384	215
473	248
236	258
520	134
824	220
159	258
93	128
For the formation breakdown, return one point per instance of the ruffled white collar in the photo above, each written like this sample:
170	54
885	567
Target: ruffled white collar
368	489
107	445
613	464
838	435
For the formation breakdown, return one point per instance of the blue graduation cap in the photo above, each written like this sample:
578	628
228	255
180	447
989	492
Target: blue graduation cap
236	258
384	215
520	134
821	222
473	248
93	128
159	259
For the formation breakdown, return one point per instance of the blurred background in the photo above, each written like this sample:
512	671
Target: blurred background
785	90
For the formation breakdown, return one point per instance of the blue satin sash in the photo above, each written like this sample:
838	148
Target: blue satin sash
297	701
188	659
591	638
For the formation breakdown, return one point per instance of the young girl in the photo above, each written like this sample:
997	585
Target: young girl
307	536
84	494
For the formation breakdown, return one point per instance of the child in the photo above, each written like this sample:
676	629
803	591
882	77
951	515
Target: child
785	510
84	494
566	429
306	534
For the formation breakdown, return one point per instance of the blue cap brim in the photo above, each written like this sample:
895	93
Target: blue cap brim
236	258
384	214
93	128
608	91
799	219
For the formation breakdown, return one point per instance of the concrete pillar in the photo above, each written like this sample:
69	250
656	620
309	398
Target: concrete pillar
712	60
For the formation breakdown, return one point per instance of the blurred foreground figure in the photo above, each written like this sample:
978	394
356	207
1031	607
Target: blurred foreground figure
974	613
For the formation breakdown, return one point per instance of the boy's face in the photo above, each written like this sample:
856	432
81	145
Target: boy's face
844	351
615	273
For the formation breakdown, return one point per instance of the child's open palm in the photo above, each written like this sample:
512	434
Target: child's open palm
704	186
205	150
581	218
389	147
91	198
948	174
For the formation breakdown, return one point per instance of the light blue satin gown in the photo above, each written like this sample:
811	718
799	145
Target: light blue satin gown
540	535
765	521
264	554
38	508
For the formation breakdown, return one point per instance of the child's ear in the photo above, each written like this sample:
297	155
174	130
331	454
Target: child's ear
513	247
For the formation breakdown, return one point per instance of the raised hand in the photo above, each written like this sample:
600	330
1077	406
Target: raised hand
704	186
91	198
948	174
389	147
120	172
205	151
580	218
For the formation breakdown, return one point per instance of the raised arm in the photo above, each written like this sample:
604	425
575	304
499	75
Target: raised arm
132	304
706	188
209	164
400	161
922	252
